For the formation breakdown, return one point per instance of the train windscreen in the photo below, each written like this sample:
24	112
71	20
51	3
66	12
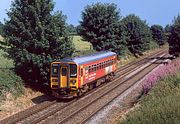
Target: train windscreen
54	70
73	70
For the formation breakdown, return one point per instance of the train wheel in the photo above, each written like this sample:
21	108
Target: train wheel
90	86
79	93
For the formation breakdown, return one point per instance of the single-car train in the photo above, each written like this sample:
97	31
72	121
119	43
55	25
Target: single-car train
72	77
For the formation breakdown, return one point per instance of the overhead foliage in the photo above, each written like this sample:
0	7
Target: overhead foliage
100	26
139	34
1	28
35	36
174	37
71	29
158	34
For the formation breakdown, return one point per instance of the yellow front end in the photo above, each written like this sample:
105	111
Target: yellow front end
64	79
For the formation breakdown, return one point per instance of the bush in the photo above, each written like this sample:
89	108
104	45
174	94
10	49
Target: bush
10	83
161	106
153	45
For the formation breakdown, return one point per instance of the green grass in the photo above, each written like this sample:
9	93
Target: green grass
9	81
161	106
82	47
81	44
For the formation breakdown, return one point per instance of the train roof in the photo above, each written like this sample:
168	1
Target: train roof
89	58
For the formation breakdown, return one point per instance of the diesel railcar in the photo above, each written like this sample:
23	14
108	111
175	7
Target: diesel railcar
72	77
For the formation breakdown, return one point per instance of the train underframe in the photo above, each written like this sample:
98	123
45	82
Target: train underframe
77	92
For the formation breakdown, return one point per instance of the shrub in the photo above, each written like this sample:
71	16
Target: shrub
160	73
161	106
10	83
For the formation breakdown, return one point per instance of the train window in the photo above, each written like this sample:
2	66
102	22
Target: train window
92	68
54	70
95	67
81	72
73	70
105	63
64	71
89	69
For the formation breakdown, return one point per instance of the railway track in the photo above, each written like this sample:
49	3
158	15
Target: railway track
82	111
47	109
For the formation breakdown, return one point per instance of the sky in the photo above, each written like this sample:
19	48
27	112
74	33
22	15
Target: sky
153	11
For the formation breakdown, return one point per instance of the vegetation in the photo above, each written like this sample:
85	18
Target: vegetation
174	37
9	81
1	29
138	32
160	106
82	47
80	44
71	29
158	34
35	36
100	26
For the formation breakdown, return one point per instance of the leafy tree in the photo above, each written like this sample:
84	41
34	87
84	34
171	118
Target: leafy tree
1	28
139	35
35	36
167	30
71	29
158	34
174	37
100	26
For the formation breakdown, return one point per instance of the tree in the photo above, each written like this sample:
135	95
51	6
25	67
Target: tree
139	35
71	29
158	34
174	37
1	28
167	30
35	36
99	26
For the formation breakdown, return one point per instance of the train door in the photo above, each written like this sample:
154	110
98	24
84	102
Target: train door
82	80
64	77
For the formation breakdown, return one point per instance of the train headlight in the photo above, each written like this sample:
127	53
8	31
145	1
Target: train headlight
73	81
54	80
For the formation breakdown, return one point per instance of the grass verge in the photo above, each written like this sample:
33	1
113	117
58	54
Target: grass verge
160	106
